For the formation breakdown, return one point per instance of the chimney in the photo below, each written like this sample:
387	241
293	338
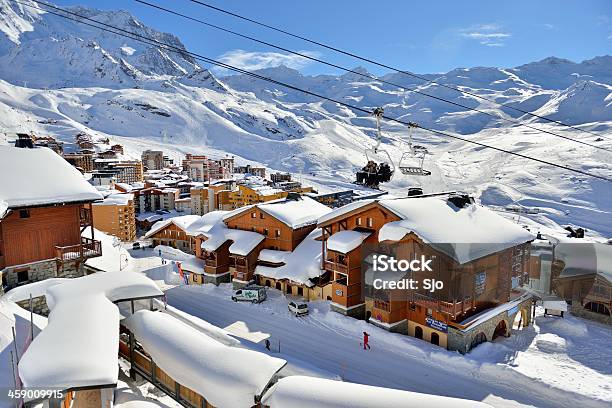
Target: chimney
24	141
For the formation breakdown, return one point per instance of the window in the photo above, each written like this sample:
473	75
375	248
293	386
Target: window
261	215
24	213
253	229
597	307
265	232
370	222
358	221
22	276
429	312
253	215
278	233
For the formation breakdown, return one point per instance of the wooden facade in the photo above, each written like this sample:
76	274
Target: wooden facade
174	236
469	288
35	234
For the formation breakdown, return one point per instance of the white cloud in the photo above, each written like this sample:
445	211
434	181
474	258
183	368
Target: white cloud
490	34
250	60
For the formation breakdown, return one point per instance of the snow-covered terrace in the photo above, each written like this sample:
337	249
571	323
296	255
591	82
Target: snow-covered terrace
193	359
301	265
39	176
79	346
243	242
311	392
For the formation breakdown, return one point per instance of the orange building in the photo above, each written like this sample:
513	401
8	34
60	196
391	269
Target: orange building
116	216
480	257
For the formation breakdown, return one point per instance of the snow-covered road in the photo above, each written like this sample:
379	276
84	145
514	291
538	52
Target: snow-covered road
331	342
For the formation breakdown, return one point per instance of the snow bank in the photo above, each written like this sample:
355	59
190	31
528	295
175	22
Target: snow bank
210	330
465	234
312	392
79	346
225	376
188	262
303	264
346	241
295	213
55	180
35	289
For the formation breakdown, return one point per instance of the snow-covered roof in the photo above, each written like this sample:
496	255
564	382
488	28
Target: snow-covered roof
486	315
346	241
182	222
584	259
301	265
273	255
117	199
296	213
243	241
345	209
189	262
78	348
206	222
40	176
312	392
225	376
465	234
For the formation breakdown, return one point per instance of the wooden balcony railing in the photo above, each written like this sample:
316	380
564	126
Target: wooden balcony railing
335	266
451	308
88	248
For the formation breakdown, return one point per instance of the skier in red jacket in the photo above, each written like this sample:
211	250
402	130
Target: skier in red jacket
366	338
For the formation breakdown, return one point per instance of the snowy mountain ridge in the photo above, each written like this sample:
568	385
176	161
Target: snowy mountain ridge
59	77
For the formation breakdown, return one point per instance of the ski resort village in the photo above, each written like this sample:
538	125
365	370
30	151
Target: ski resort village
248	221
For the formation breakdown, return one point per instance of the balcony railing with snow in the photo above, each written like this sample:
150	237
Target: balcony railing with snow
88	248
335	266
452	308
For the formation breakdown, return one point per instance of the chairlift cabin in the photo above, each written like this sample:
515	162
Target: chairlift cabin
411	162
379	167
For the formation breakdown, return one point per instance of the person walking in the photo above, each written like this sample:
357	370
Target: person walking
366	339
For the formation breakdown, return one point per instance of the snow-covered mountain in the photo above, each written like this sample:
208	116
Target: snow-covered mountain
59	77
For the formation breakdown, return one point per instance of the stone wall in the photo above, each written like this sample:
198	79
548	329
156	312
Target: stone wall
461	340
40	271
39	305
578	310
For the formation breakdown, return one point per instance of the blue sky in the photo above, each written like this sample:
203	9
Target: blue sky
426	37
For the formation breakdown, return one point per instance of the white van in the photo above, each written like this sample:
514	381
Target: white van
251	293
298	308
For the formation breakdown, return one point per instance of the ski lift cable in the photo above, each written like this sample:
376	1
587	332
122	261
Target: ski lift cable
181	51
382	65
365	75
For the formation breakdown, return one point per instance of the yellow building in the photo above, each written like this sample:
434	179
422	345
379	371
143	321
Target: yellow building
115	216
254	194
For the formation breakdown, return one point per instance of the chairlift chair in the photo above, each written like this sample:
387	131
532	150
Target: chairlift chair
411	162
385	168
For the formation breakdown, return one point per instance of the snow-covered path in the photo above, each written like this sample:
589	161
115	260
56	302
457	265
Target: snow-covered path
331	342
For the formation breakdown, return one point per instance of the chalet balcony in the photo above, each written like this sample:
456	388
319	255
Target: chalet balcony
451	308
88	248
331	266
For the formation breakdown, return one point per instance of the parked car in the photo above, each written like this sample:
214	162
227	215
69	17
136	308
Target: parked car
136	245
298	308
251	293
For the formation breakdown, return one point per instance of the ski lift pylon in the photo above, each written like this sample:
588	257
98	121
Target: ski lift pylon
411	162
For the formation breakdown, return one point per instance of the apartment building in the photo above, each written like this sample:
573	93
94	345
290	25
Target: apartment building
153	159
203	168
115	215
254	193
82	161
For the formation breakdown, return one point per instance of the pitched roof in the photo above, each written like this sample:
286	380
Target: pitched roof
296	213
39	176
465	234
183	222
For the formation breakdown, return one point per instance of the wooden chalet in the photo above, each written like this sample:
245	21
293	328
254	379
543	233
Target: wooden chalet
477	276
45	207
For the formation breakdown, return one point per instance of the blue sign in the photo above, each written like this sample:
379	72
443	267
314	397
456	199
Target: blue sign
436	324
512	311
338	292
